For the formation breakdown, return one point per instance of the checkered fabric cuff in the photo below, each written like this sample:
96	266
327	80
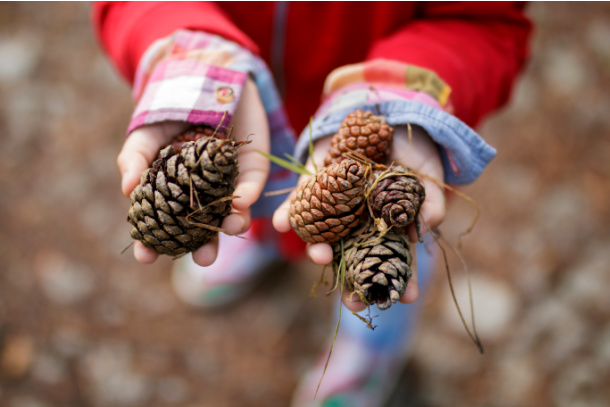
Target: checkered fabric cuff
190	91
362	93
189	76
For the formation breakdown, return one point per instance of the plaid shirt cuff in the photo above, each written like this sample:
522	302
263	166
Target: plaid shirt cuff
190	91
357	94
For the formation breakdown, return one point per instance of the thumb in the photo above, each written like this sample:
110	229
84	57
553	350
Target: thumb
141	148
250	123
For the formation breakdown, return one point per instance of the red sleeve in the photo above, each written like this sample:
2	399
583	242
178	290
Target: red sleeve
478	48
127	29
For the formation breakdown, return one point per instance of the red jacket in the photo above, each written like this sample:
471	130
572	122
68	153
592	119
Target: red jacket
477	48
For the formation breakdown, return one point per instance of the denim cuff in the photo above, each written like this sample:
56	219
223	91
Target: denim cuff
464	153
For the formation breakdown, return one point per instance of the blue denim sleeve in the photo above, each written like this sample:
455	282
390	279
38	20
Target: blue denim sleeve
461	144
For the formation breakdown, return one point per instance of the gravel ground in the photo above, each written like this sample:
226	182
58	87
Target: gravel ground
83	325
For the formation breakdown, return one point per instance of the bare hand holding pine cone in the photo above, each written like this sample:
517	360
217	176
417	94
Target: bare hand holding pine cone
419	153
249	123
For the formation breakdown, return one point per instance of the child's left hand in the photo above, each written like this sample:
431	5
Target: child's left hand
421	154
143	144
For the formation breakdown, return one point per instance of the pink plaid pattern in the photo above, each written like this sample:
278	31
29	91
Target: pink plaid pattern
389	73
364	93
187	90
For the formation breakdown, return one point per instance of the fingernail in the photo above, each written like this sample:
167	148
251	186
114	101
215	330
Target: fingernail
236	225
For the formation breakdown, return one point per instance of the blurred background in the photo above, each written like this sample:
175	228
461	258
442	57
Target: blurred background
82	325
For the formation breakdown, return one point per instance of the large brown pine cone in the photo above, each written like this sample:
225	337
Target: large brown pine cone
378	266
328	205
363	133
397	196
183	194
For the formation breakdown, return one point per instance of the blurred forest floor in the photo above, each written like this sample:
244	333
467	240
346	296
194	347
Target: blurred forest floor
82	325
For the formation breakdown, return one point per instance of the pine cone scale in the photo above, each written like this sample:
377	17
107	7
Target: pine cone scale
370	261
161	204
160	234
380	279
389	269
362	276
176	207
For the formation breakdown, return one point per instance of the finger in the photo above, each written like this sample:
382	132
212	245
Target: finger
253	173
434	208
320	253
250	123
281	216
141	148
412	292
352	301
412	232
144	254
431	214
206	255
131	164
236	223
281	221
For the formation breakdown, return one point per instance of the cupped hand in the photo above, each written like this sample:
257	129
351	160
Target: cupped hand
249	123
416	151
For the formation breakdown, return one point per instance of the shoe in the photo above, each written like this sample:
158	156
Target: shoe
360	373
240	263
366	364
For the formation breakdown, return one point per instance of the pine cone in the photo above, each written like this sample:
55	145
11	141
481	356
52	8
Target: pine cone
194	134
363	133
183	193
397	196
378	266
328	205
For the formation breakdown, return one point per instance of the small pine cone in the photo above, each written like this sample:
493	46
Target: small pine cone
194	134
363	133
328	205
378	266
183	193
397	196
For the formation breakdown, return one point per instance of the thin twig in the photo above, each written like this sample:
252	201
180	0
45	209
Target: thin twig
473	336
279	192
332	345
128	246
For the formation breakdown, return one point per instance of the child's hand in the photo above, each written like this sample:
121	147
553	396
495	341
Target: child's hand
249	122
420	154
